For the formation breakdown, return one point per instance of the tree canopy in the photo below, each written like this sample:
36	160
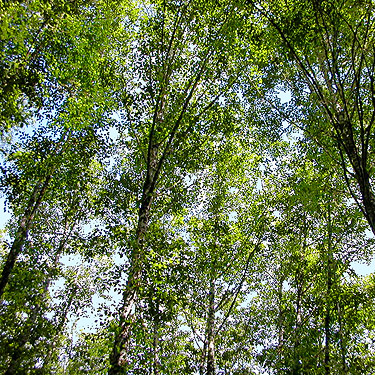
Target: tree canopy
194	180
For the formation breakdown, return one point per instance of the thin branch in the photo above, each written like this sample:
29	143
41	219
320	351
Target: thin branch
256	247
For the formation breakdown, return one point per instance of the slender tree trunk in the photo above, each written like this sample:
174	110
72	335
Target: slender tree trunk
27	219
23	230
17	355
26	335
60	327
155	348
211	330
327	318
327	333
356	149
118	358
202	364
296	360
342	343
280	319
38	309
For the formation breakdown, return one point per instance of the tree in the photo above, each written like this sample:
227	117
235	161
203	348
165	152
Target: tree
50	58
147	142
330	42
68	206
313	243
75	84
173	107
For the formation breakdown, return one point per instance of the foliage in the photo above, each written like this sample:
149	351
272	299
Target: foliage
161	188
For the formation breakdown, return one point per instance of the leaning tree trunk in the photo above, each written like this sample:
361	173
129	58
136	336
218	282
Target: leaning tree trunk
63	318
118	358
23	230
37	310
32	208
33	320
336	92
358	160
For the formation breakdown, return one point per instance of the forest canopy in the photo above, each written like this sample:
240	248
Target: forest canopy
191	178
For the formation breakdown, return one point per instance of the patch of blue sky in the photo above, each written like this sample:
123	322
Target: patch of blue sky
5	215
285	96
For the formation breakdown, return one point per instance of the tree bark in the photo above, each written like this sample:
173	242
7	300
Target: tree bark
202	362
344	129
342	343
296	366
327	318
62	321
27	219
118	359
155	347
211	330
23	230
36	312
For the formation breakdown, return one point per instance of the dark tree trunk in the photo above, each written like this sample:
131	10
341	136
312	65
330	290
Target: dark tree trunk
211	331
344	129
327	318
155	348
118	358
280	319
342	342
23	230
296	366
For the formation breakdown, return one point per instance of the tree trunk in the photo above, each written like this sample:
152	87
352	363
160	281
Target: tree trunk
211	330
155	347
280	318
23	230
27	219
296	356
118	358
202	363
342	343
344	129
327	318
60	327
36	312
327	329
38	309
